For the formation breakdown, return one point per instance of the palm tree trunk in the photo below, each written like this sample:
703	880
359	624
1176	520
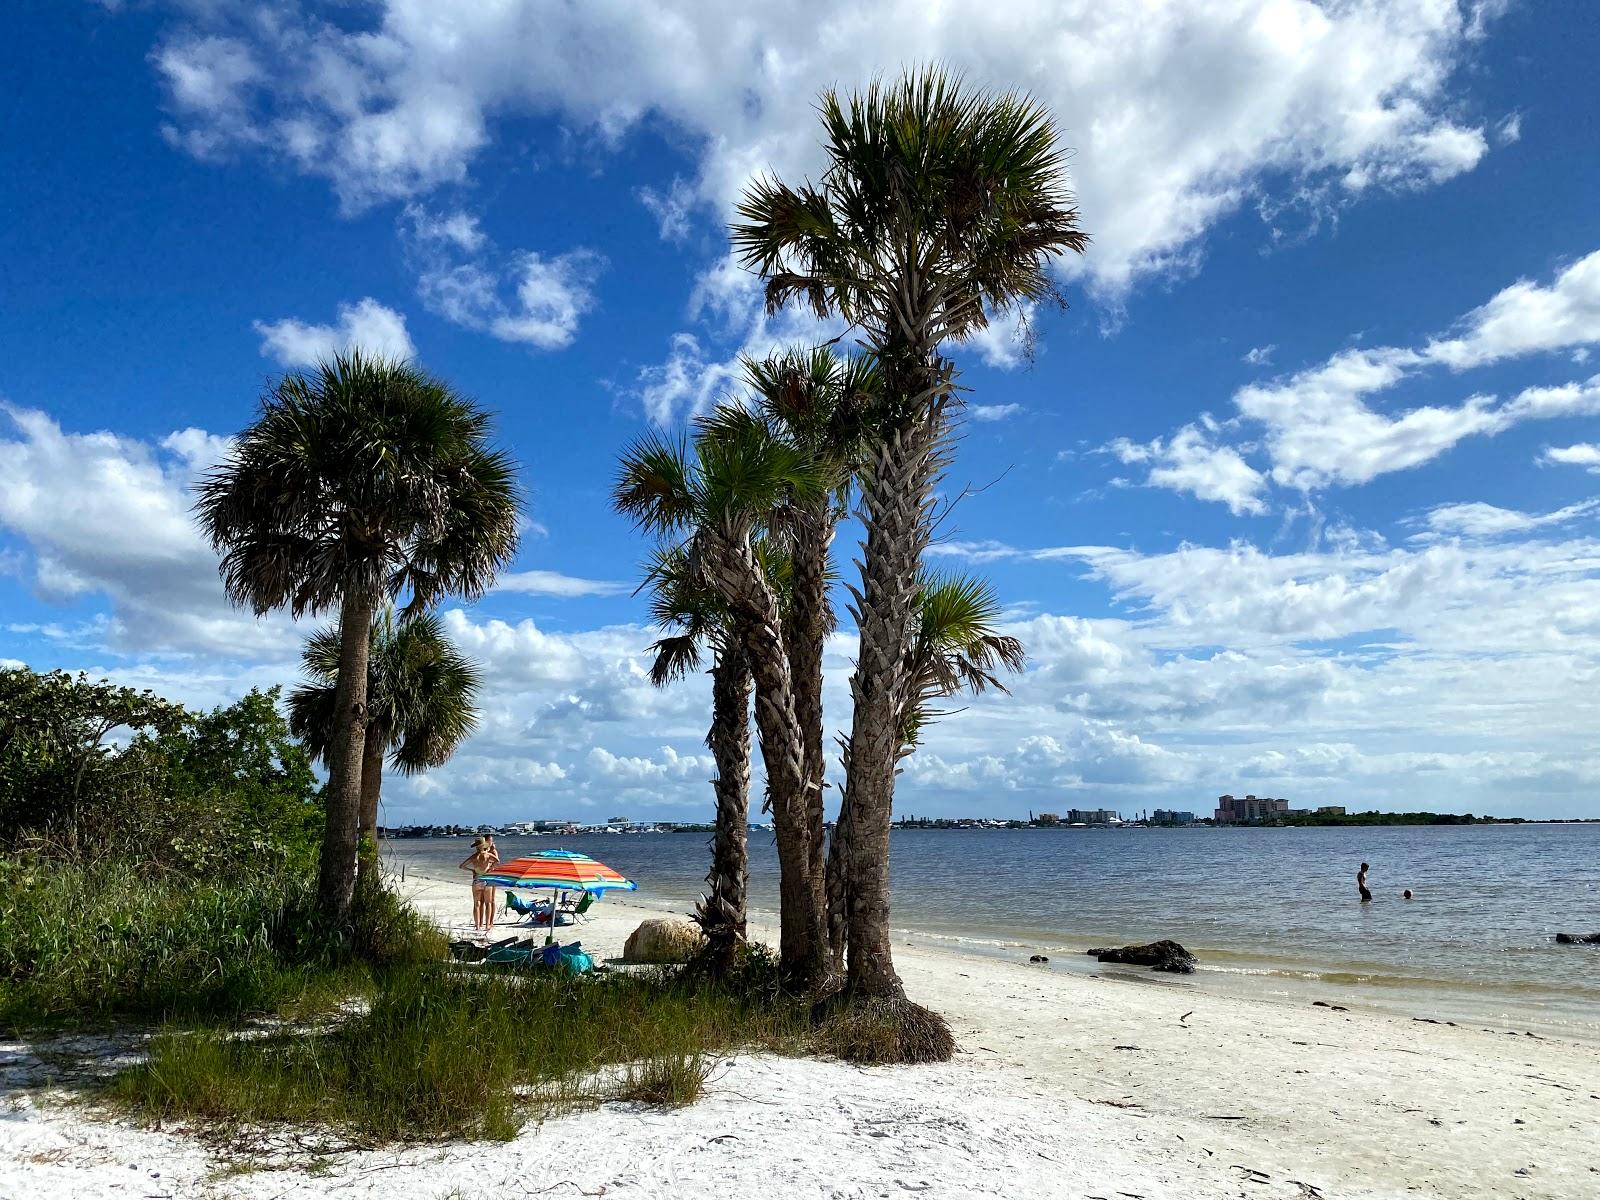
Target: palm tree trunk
897	501
336	880
802	945
722	914
838	874
371	789
805	634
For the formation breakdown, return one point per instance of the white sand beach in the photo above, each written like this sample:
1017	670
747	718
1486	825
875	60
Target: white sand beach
1098	1087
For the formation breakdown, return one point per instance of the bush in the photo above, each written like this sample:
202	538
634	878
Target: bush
80	944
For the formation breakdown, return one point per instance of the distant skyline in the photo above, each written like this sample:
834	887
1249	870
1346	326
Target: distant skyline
1298	497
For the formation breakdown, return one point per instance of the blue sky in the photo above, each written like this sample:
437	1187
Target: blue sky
1297	497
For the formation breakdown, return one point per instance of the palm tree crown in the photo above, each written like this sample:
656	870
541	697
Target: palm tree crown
939	205
363	474
956	647
421	692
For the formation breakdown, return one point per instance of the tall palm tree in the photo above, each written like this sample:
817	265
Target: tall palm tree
700	621
816	400
361	481
420	706
940	205
721	499
956	648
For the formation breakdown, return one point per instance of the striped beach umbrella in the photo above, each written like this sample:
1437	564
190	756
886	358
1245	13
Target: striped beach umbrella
560	870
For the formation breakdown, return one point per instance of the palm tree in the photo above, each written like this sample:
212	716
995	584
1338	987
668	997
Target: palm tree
940	205
721	499
361	481
699	619
956	648
817	401
420	694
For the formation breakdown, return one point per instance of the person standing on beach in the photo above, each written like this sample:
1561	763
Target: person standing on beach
1361	884
479	861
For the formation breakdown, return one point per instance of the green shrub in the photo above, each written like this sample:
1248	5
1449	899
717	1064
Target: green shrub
81	944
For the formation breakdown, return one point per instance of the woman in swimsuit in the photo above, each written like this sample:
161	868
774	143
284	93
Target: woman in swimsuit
479	861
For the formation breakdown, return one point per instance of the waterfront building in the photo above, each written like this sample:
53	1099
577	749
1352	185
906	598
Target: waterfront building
1232	810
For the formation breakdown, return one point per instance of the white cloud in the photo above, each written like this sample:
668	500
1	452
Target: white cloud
1527	318
526	297
122	530
692	379
1259	356
1190	462
365	325
1476	519
1179	113
1583	454
1006	342
671	208
1319	428
993	412
553	583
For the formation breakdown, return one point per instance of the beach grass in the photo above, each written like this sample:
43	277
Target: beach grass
89	944
445	1052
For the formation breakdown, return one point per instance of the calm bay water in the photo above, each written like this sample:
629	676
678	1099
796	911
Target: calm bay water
1271	910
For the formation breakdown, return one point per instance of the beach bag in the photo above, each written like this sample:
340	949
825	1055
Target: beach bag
569	958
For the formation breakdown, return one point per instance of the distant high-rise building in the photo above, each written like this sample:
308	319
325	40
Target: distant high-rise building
1249	811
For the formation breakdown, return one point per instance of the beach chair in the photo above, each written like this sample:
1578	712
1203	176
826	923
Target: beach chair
583	906
529	909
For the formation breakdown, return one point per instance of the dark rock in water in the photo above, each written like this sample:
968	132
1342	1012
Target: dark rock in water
1578	939
1165	955
1038	958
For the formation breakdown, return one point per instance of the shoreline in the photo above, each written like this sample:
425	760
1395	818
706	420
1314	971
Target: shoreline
1065	1084
1240	972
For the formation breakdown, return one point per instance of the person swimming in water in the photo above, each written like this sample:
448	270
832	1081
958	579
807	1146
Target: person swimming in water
1406	895
1361	883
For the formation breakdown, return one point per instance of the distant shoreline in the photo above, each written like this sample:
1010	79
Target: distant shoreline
973	825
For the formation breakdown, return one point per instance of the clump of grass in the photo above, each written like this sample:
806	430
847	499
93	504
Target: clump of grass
882	1030
669	1080
85	943
446	1054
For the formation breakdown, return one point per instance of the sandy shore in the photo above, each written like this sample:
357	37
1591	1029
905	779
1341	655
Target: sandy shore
1105	1086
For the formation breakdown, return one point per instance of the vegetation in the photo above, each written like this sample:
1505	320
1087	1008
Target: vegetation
939	207
360	482
452	1055
696	617
420	694
175	877
719	500
957	647
1388	818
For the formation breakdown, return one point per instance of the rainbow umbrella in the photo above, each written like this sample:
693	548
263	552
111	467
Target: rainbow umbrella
560	871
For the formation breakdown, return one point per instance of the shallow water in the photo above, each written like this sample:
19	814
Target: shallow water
1266	910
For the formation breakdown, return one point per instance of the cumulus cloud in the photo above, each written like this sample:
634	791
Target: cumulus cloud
1259	356
1319	426
1583	454
1191	462
1179	114
364	325
527	297
122	530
